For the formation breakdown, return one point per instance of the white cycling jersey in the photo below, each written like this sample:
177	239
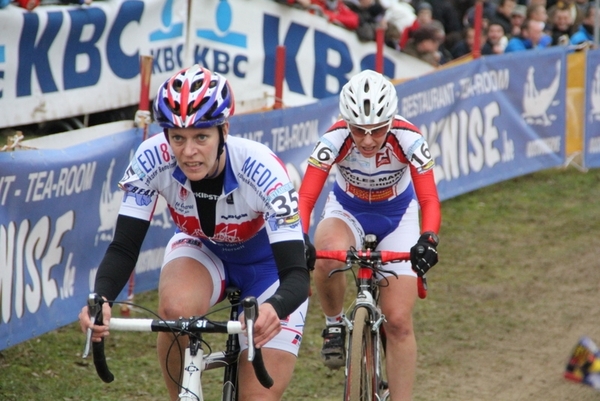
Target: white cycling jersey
379	178
383	185
258	205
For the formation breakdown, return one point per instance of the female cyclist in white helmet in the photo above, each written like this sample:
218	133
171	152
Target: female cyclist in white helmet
384	175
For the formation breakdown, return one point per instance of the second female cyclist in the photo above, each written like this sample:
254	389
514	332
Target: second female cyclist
384	176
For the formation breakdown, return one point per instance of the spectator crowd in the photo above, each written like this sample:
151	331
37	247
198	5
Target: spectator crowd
438	31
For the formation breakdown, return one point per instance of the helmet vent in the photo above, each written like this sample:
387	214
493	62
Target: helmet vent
197	85
224	92
174	107
177	84
202	103
210	113
367	108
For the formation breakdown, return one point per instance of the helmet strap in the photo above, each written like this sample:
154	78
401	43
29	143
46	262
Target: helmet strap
219	151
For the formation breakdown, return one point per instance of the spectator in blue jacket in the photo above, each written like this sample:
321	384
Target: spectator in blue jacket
586	29
532	37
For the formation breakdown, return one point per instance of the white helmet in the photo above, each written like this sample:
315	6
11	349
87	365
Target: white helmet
368	98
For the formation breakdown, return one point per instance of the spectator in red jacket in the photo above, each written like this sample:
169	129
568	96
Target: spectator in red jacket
335	11
424	17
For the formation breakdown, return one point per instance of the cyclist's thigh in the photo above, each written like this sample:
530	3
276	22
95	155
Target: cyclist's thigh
338	228
292	328
279	364
191	270
404	236
397	298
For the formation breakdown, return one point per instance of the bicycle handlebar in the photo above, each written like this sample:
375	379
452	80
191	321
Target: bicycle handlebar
351	256
250	305
193	325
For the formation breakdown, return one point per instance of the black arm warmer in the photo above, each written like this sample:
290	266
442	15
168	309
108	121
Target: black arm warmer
294	280
121	256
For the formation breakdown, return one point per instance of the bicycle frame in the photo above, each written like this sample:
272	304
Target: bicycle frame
195	362
365	340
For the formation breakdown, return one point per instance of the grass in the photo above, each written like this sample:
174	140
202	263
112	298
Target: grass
516	286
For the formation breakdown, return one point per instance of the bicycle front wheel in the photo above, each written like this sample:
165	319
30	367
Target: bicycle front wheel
361	379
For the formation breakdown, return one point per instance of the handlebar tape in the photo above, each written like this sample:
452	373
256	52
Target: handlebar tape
261	372
250	305
100	362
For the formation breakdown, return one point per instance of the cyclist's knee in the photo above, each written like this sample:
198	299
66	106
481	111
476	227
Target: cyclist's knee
175	307
326	265
398	327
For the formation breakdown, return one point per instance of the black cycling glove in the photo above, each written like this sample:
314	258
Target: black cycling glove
310	252
423	256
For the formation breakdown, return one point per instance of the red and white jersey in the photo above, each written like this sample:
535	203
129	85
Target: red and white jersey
257	195
378	178
404	159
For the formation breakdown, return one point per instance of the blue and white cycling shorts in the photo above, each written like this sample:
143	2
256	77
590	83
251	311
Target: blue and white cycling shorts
258	279
396	233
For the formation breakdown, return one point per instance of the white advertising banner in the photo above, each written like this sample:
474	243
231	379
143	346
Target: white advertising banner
239	38
64	61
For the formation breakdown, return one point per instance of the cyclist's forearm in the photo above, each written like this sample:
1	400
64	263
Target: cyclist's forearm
309	192
294	280
121	256
429	202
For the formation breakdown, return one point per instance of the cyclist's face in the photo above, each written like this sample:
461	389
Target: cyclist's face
196	150
369	138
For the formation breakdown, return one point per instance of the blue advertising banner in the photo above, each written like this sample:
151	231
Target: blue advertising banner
592	110
57	217
491	119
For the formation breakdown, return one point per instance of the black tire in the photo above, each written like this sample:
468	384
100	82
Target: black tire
361	380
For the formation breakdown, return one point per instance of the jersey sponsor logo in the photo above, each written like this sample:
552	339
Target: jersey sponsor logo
183	193
235	233
382	158
234	216
297	339
318	164
141	200
138	191
134	170
192	242
372	195
150	158
259	175
276	222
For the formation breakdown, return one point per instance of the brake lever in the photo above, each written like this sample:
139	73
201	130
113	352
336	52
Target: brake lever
95	303
343	269
381	271
250	315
